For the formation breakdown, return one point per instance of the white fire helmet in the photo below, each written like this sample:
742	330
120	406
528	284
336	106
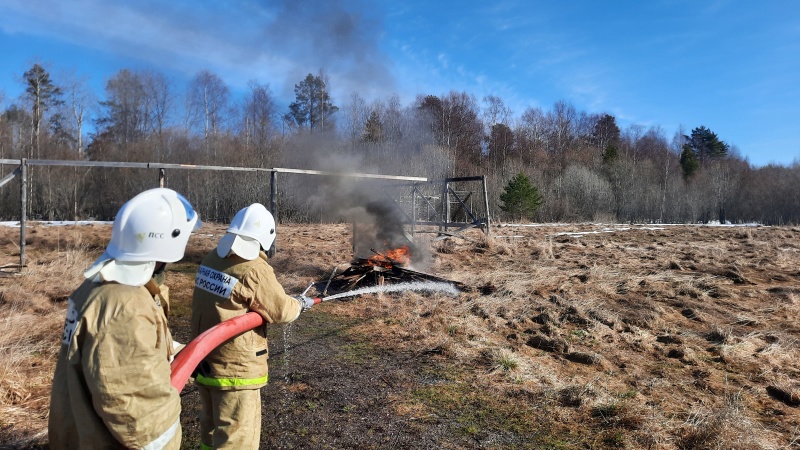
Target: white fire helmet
251	229
153	226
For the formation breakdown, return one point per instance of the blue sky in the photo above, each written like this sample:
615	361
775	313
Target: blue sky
731	66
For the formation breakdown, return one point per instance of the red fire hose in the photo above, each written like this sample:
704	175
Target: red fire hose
187	359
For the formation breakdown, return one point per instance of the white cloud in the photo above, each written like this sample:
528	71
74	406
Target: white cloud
442	58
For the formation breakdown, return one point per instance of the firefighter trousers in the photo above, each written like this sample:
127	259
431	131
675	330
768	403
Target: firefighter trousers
230	419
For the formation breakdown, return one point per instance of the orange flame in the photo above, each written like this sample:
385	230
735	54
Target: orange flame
396	256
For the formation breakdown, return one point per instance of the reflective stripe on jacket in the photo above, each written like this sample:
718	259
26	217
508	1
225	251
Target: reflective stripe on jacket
111	386
230	287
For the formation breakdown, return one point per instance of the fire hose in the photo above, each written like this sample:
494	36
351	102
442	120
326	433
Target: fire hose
187	359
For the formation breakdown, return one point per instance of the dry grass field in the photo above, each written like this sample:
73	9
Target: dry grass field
568	336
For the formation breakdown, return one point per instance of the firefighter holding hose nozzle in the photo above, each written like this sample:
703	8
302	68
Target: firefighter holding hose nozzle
111	386
232	280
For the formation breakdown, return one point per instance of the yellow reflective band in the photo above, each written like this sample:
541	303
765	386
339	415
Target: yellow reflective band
230	382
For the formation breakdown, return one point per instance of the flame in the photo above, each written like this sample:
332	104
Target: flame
396	256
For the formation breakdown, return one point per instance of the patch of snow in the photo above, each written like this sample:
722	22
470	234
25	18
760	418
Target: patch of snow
55	223
501	225
615	228
642	226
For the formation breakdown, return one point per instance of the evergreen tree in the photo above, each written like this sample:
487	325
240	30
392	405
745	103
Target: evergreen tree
373	129
689	161
313	107
521	198
43	95
606	132
610	154
706	145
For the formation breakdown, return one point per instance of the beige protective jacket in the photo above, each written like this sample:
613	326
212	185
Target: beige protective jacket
230	287
111	387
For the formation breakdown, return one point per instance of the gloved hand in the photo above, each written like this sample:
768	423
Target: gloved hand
305	302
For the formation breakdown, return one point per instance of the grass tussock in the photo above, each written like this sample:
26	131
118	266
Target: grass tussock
505	361
724	425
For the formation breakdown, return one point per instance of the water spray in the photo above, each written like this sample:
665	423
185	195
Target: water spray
431	286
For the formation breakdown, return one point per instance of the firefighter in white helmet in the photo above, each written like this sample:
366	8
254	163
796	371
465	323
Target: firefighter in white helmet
232	280
111	387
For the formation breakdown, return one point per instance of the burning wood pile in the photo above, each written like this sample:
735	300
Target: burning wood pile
384	253
387	267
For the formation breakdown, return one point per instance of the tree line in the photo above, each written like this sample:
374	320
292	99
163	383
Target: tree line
581	165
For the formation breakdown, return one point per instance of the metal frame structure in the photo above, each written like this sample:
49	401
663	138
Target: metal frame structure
21	171
436	203
431	203
448	198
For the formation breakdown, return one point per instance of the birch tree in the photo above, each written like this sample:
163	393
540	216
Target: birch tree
260	110
79	100
207	102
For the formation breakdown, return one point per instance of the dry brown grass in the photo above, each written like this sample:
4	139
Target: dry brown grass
723	425
32	305
680	337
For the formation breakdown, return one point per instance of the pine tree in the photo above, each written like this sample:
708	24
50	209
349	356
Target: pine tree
43	95
313	107
706	145
521	198
689	161
610	154
373	129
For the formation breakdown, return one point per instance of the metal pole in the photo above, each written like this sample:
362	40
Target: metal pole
273	207
23	201
413	208
446	205
486	204
161	178
355	238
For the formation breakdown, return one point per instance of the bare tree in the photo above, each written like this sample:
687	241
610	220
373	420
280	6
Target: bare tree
158	102
726	175
260	112
561	123
531	134
207	101
356	113
495	111
499	144
79	100
454	121
499	136
395	124
124	117
587	193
